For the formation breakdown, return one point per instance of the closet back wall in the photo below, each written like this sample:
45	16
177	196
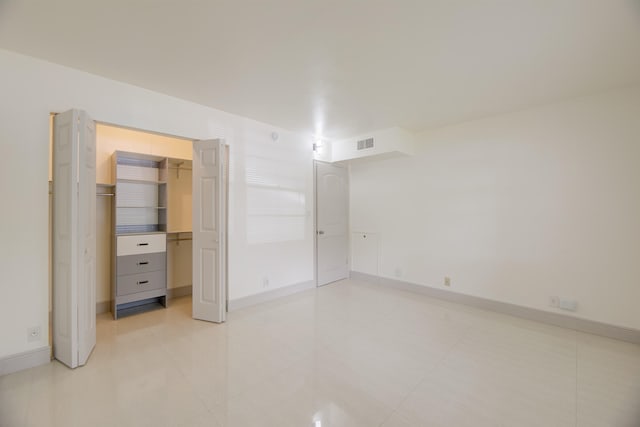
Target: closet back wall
31	89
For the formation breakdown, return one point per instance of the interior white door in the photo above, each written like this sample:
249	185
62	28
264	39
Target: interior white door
209	230
332	223
74	241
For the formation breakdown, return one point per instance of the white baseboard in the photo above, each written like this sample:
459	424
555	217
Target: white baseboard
250	300
556	319
26	360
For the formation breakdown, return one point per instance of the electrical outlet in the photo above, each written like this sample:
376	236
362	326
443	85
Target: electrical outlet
554	301
447	281
398	272
265	282
33	334
568	304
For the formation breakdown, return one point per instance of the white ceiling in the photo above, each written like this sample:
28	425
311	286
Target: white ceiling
341	67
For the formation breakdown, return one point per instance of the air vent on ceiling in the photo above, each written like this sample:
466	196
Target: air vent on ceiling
365	143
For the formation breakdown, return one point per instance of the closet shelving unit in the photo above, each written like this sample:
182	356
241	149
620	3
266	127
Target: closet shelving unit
139	260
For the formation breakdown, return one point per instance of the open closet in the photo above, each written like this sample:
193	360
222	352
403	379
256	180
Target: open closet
144	219
122	237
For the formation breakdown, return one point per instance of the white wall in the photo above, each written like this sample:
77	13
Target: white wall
517	208
32	89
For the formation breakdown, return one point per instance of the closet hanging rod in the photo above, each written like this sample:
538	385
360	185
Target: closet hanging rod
179	240
180	168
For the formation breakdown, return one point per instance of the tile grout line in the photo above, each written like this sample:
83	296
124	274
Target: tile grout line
426	374
187	381
27	409
295	362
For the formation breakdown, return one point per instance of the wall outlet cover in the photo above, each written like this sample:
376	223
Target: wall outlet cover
568	304
33	334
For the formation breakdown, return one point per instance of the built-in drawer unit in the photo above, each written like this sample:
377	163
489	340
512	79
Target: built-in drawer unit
141	244
140	277
143	263
142	282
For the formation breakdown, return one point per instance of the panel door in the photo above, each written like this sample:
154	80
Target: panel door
74	238
332	223
209	230
65	242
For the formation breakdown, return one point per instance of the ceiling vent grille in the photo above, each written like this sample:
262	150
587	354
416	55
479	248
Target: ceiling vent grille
365	143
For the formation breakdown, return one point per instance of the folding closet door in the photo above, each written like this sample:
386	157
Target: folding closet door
209	230
74	237
87	235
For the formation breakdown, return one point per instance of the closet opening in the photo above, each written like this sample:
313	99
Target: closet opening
143	218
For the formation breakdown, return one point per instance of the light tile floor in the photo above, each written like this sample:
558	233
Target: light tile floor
347	354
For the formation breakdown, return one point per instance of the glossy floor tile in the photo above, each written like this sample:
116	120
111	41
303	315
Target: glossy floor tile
347	354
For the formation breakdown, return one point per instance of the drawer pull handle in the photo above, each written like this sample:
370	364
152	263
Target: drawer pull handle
143	263
143	282
143	244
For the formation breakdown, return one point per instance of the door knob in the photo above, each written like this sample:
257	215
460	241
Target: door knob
320	232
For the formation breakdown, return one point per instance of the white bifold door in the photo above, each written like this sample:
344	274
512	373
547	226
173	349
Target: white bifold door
332	223
74	237
209	230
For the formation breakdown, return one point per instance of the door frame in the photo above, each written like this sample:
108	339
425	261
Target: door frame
315	216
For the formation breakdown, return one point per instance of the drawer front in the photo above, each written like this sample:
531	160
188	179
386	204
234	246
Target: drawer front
141	282
141	244
135	264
